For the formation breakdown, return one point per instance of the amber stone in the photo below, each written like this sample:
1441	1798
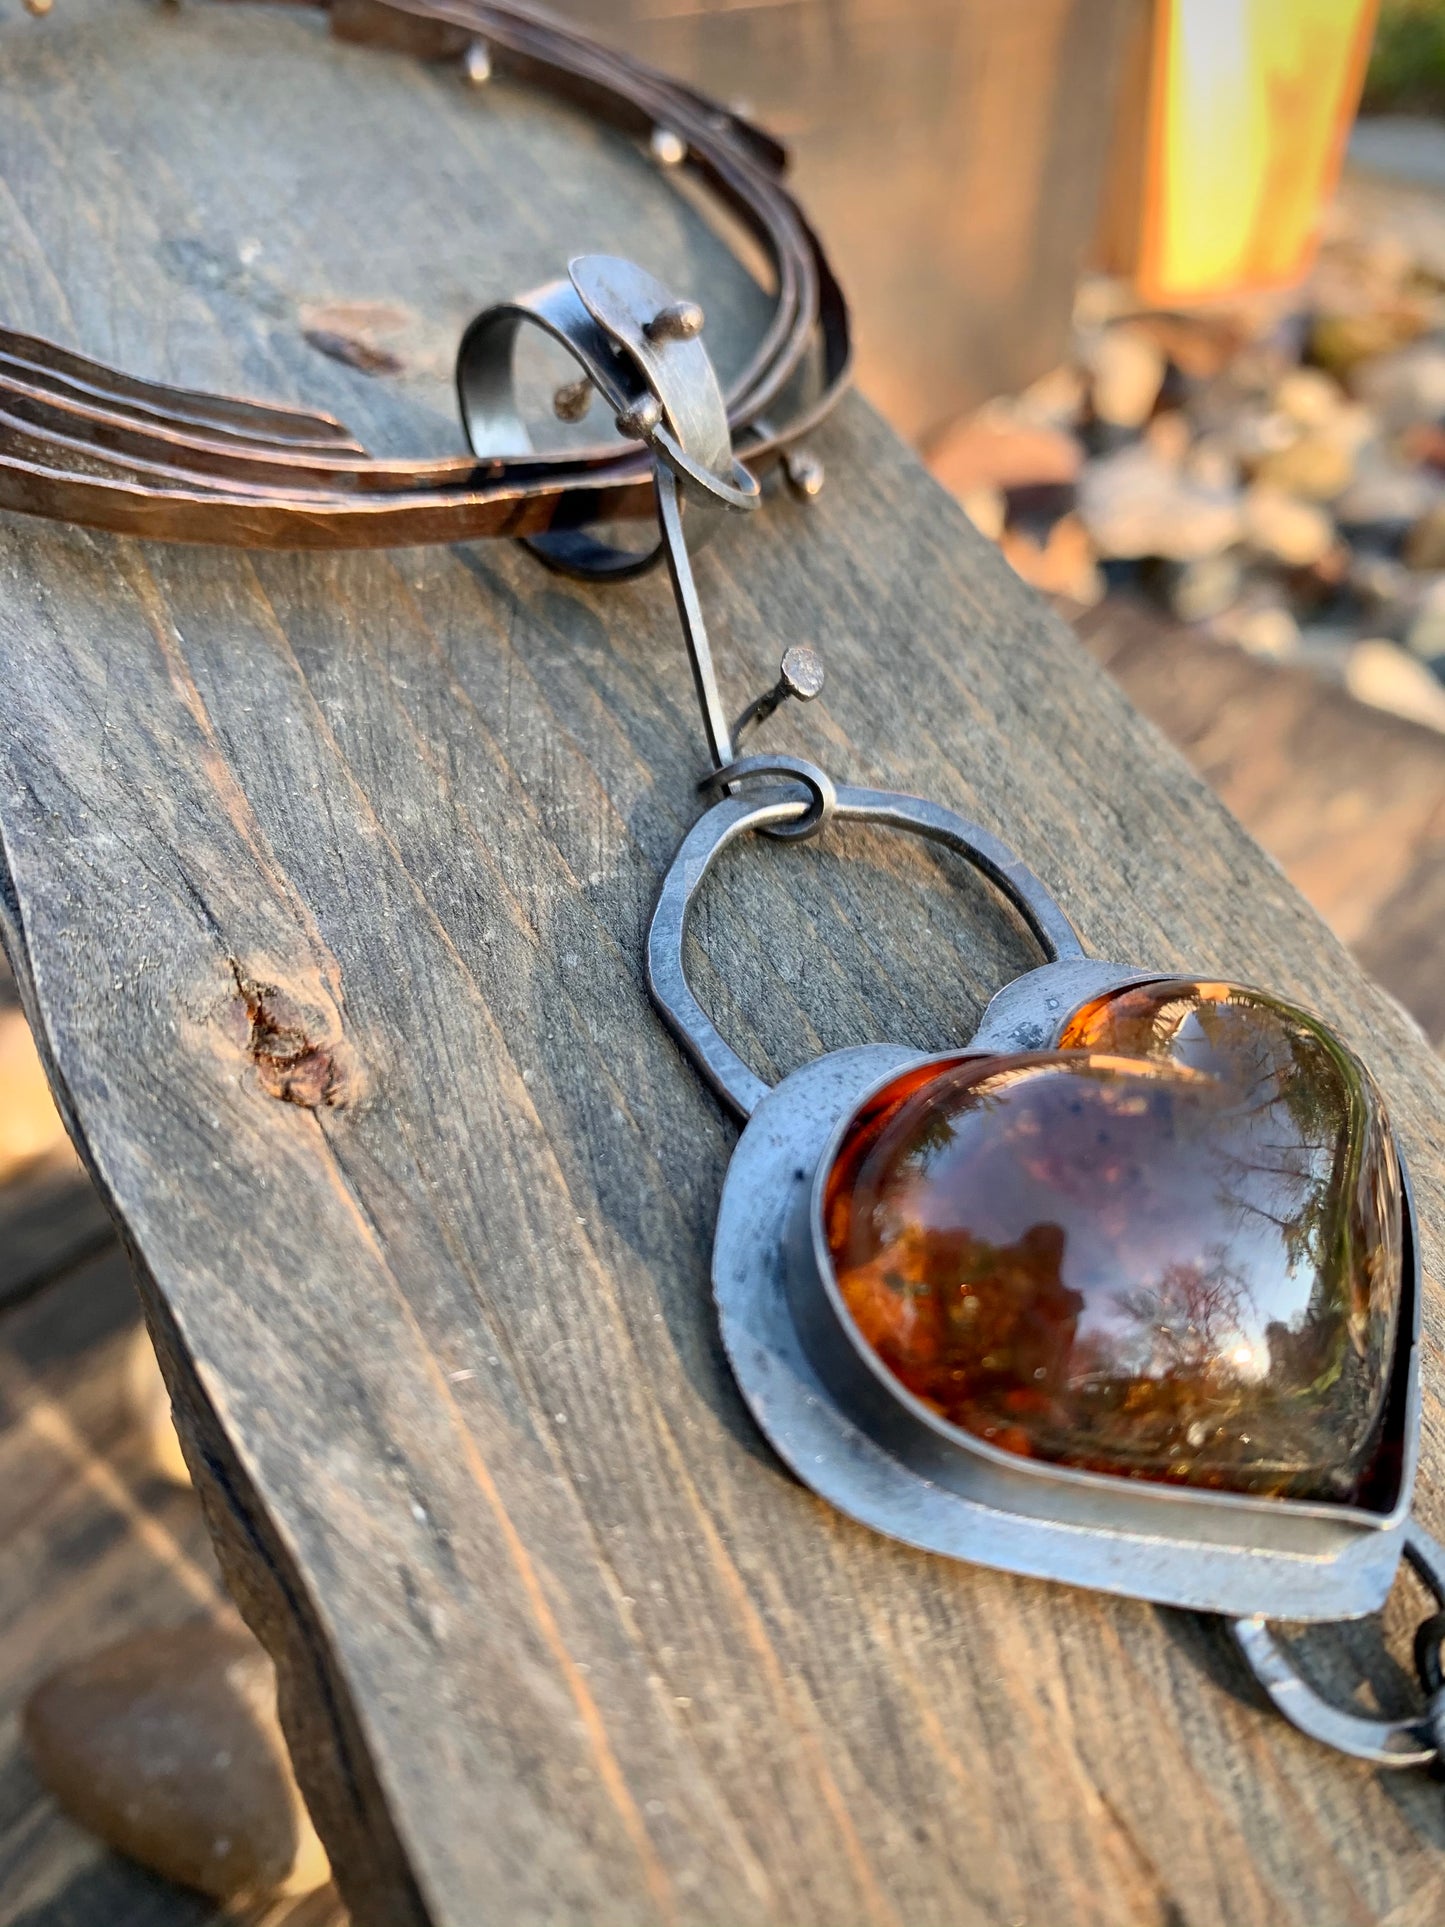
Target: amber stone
1170	1249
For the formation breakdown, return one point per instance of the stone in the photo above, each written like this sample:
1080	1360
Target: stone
1055	400
993	449
1425	631
1308	397
1423	445
1171	1250
1405	387
1062	564
1133	505
1425	544
1128	372
1200	590
1386	497
1381	673
1284	528
1263	628
1213	464
168	1748
1169	438
1341	342
1316	466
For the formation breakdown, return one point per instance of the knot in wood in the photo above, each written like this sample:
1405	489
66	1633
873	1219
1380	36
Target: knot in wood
296	1061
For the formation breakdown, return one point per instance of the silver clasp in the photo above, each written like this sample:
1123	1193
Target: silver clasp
642	350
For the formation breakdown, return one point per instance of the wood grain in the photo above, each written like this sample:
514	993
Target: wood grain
559	1641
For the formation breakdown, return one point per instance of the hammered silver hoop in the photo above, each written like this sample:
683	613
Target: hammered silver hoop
739	1087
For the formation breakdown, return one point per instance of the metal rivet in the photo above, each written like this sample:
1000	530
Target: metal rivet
800	673
679	321
638	422
800	676
477	63
668	149
804	473
572	400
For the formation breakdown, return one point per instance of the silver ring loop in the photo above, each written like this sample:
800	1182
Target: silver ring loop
824	792
1415	1741
720	1066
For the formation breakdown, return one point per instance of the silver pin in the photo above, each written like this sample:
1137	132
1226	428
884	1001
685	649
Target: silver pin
477	63
638	422
572	400
668	149
679	321
800	676
804	474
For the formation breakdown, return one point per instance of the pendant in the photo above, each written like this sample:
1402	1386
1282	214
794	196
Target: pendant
1124	1291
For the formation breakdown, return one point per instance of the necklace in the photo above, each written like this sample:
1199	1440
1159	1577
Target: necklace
1122	1292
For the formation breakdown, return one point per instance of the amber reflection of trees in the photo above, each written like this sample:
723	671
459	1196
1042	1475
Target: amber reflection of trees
1188	1324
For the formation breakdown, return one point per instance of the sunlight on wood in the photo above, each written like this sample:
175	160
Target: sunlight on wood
30	1126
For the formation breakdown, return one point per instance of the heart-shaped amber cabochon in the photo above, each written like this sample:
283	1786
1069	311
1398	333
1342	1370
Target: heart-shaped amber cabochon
1170	1249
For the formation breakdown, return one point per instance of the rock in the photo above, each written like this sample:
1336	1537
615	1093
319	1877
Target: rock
1244	429
1325	645
1317	466
1405	387
1133	506
1063	564
1340	342
1386	497
1389	594
1425	544
1168	438
1378	672
1296	533
1055	400
1128	372
994	449
1424	445
1213	464
1308	397
1021	1342
1263	628
1199	590
1425	629
168	1748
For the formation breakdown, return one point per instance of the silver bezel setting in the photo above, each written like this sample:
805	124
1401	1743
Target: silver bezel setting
862	1441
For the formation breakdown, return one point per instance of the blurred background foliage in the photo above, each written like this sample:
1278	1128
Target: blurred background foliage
1407	65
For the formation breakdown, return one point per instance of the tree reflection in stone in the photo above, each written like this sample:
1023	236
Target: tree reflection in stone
1171	1249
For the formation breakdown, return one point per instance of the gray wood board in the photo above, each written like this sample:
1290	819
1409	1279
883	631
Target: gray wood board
559	1641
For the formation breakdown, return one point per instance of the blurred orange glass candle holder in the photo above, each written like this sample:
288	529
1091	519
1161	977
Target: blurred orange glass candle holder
1231	138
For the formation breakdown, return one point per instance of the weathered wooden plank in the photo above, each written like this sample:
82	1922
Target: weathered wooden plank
378	835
